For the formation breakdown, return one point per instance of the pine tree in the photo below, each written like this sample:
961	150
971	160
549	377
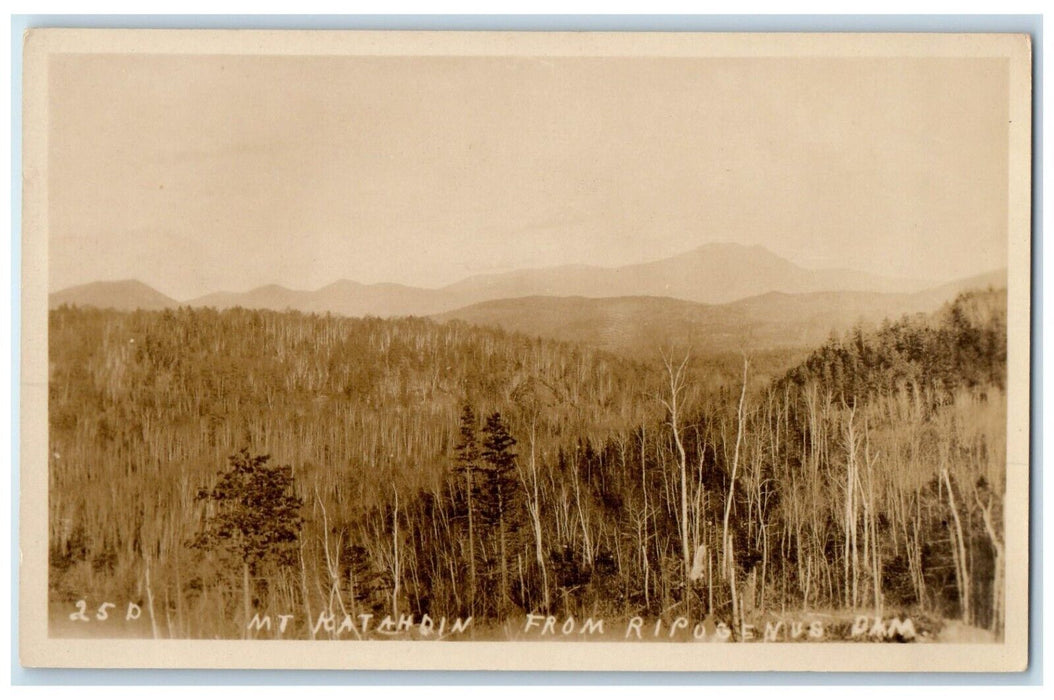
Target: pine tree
466	461
256	518
499	492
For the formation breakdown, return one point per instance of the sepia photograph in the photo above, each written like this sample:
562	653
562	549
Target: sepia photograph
539	351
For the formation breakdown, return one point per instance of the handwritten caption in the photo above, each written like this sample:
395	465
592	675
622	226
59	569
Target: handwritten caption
538	626
637	629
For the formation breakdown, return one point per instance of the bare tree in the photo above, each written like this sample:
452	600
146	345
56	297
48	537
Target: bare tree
676	385
728	561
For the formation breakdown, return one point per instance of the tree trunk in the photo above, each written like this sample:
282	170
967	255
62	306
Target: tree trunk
644	537
850	564
395	557
998	574
304	593
534	506
246	605
729	562
150	602
504	568
960	558
471	544
587	541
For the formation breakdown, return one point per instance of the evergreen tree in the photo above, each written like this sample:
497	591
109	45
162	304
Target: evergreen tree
499	494
256	518
466	462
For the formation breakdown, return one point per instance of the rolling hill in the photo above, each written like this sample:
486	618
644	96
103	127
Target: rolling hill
124	295
344	297
643	325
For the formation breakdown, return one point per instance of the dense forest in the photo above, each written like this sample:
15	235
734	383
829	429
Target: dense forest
211	465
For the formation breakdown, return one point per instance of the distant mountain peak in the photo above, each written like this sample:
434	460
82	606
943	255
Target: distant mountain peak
729	245
273	287
124	295
342	284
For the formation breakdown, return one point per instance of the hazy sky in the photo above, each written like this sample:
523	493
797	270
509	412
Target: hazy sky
201	173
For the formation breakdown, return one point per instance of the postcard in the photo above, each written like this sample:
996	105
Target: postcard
525	351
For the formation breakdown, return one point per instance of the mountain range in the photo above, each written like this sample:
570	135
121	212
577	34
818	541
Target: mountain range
724	296
715	273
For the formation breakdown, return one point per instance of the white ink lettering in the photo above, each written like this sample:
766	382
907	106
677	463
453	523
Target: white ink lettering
79	615
532	621
326	620
906	628
679	623
103	614
259	623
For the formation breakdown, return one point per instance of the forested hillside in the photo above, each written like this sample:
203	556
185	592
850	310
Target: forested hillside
211	464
